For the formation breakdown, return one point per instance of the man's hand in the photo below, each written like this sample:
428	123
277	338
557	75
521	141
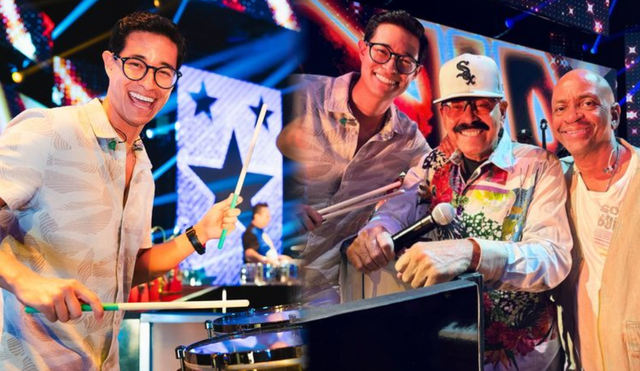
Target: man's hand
219	217
58	299
428	263
372	250
309	218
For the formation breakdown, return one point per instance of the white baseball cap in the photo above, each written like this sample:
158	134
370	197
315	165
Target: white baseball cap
470	75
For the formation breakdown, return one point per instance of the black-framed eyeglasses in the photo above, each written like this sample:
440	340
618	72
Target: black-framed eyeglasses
455	108
135	69
381	53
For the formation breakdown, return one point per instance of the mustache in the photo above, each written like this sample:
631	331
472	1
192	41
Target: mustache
479	125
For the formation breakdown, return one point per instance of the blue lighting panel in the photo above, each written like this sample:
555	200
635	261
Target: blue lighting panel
632	99
217	117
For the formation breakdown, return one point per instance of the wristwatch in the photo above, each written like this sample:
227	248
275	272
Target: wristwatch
195	242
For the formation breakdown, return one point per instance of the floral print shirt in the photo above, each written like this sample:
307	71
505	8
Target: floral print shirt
513	205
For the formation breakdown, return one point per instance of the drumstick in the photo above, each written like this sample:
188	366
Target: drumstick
357	199
170	305
363	204
245	167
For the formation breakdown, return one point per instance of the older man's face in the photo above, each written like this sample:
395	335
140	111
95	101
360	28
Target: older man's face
583	113
474	124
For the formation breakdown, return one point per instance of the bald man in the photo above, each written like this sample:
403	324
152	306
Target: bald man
600	299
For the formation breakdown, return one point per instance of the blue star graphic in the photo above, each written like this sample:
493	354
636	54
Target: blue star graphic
203	101
256	111
222	182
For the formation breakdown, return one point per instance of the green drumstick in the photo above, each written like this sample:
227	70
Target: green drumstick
171	305
245	167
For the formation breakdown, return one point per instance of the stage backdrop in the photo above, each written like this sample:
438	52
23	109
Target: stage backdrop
335	27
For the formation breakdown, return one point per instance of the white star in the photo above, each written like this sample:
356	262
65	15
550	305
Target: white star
632	115
571	11
589	7
632	50
598	26
629	98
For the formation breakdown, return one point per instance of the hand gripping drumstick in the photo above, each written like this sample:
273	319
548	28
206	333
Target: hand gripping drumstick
171	305
245	167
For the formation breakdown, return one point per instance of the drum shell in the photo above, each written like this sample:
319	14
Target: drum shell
267	317
277	349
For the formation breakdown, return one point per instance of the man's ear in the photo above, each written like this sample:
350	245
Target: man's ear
109	62
363	49
416	72
615	115
503	109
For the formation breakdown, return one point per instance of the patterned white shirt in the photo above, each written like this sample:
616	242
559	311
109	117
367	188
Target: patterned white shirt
66	217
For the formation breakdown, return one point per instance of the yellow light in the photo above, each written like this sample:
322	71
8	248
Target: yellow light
16	77
156	3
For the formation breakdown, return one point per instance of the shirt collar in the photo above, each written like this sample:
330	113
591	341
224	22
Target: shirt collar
99	121
502	156
103	129
338	102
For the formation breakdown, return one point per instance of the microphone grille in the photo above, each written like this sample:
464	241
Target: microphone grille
443	213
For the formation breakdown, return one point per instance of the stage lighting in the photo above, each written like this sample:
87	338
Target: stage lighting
16	77
509	22
157	3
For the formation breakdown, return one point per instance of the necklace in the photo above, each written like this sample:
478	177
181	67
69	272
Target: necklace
612	168
121	133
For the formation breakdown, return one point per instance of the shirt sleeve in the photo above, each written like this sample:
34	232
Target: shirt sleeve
24	150
250	241
420	149
542	259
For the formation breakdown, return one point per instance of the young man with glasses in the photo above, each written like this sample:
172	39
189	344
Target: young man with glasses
350	138
76	193
510	223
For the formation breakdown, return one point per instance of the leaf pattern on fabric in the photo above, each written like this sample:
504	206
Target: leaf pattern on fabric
65	183
15	346
89	224
85	268
27	365
59	143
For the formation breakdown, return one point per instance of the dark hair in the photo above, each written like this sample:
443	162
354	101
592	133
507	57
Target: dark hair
146	22
402	19
259	206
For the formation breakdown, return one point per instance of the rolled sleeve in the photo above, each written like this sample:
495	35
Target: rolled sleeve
24	149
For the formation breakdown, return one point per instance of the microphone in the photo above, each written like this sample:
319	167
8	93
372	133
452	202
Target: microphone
112	143
543	126
442	215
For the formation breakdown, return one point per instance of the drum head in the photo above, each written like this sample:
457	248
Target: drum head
268	317
259	349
